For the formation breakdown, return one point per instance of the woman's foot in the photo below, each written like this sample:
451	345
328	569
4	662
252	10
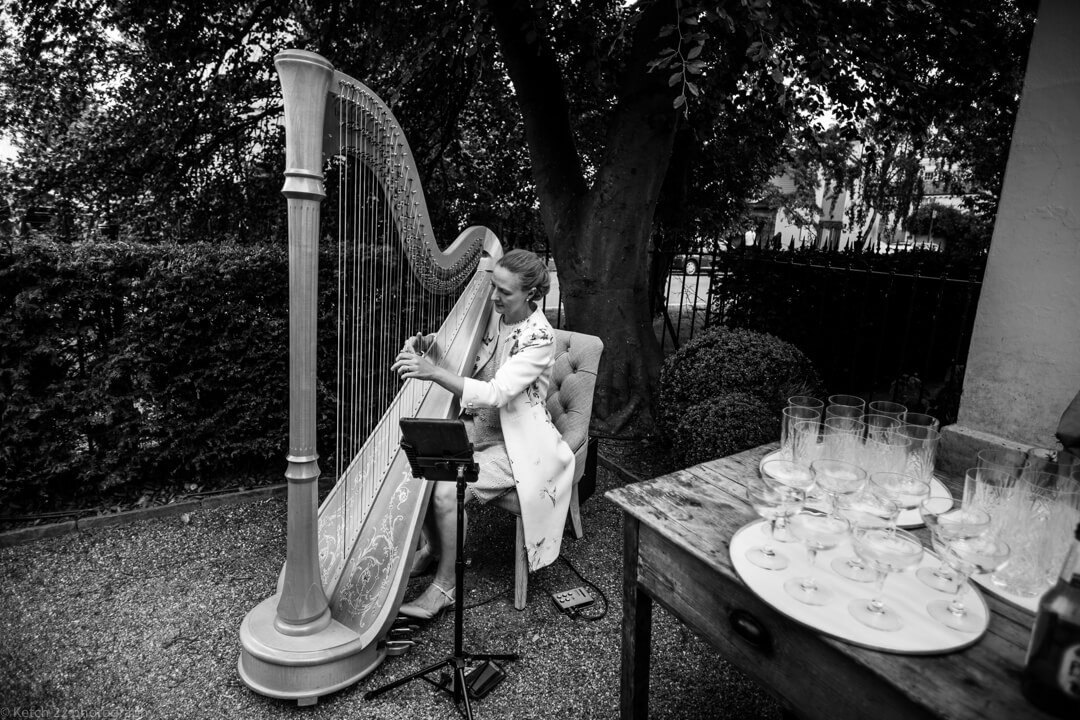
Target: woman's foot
429	603
423	561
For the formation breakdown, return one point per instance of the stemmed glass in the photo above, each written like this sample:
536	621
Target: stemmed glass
948	519
771	501
792	474
904	490
885	550
968	556
836	478
817	532
863	510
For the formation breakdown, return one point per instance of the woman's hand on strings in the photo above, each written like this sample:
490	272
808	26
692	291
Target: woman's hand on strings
415	344
413	366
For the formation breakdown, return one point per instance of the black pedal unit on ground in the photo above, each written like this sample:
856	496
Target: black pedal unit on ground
572	599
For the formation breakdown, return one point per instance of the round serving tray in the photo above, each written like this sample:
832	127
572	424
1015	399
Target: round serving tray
907	519
921	634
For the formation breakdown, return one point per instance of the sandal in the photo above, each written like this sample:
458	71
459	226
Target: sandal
436	603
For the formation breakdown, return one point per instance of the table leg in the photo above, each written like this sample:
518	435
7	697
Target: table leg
636	631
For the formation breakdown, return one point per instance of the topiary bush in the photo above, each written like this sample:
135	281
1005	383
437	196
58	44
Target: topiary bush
723	392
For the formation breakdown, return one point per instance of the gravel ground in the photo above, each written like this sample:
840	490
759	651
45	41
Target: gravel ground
141	621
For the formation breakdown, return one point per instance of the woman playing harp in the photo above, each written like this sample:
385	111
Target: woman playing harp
516	445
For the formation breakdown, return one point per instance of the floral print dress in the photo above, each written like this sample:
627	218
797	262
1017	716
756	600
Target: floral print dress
518	360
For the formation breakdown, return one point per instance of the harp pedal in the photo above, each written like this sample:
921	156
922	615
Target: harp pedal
399	633
398	647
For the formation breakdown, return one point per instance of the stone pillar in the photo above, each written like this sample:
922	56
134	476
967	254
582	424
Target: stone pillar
1023	366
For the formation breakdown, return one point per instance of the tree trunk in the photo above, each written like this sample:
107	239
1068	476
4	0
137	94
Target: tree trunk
599	234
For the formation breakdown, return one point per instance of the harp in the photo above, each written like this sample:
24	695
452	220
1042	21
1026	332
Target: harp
347	560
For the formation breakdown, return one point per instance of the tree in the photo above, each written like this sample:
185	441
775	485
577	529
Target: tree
801	59
635	126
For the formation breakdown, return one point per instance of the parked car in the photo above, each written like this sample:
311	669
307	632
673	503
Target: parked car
701	259
692	264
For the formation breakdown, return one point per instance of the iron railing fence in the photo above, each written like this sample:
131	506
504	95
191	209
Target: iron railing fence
879	333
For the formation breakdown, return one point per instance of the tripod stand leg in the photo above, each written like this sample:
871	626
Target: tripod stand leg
402	680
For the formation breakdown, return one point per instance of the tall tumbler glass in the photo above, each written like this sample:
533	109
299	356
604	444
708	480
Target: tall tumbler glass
921	452
990	489
789	416
806	401
1005	459
878	426
914	418
886	455
843	411
805	441
842	438
853	401
885	407
1064	517
1028	527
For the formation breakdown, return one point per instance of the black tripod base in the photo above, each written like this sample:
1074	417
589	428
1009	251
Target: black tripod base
458	685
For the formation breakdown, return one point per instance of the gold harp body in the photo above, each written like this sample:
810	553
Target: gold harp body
348	559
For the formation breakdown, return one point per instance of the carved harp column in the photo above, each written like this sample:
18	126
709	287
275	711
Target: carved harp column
347	562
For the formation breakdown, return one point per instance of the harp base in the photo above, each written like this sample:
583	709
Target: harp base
301	667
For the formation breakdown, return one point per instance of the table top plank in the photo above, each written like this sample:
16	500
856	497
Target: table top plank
700	508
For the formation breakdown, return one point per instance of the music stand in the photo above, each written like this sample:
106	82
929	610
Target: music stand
440	450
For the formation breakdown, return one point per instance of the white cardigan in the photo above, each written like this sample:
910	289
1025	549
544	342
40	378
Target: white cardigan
542	463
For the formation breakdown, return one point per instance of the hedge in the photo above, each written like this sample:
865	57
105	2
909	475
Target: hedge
131	368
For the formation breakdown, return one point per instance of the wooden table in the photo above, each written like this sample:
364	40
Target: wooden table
676	530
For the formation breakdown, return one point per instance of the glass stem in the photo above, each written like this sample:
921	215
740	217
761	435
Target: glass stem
956	607
767	549
877	605
810	583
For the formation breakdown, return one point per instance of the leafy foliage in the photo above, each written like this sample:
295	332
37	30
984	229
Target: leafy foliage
965	235
724	391
129	367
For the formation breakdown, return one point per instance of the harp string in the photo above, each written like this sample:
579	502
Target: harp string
383	296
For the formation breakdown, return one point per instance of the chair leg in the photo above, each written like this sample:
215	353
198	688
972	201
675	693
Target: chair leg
575	514
521	568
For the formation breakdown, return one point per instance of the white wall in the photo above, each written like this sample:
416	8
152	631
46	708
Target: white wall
1024	362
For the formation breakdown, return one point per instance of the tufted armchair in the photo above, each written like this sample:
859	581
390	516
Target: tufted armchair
570	396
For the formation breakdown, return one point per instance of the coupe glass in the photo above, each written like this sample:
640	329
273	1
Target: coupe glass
904	490
863	510
946	518
968	556
787	472
884	407
771	501
886	551
817	532
791	474
836	478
